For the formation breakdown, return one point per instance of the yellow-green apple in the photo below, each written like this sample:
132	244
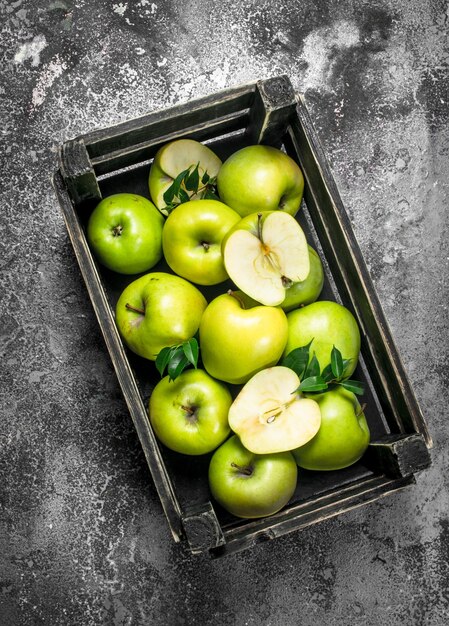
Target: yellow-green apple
190	414
239	337
172	159
264	254
191	240
269	415
124	232
308	290
260	178
325	324
251	485
343	435
158	310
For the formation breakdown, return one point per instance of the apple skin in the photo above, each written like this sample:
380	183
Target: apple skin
124	232
172	312
308	290
260	178
191	240
190	414
237	342
343	435
266	488
327	323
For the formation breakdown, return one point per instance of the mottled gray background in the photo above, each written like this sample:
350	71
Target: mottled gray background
83	539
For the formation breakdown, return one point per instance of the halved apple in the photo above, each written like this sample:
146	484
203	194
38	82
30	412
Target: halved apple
172	159
264	254
269	415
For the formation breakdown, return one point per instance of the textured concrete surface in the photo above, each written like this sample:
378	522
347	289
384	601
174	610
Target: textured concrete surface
83	539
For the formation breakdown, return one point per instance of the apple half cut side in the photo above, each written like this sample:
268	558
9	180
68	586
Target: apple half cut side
268	416
264	254
172	159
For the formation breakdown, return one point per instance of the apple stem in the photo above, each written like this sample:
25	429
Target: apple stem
234	295
259	226
205	245
243	470
134	308
362	408
188	409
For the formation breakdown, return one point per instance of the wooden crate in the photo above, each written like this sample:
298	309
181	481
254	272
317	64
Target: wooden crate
117	159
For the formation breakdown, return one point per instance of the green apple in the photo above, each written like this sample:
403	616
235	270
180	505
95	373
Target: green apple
172	159
264	254
270	416
250	485
260	178
158	310
191	240
325	324
343	435
308	290
190	414
239	337
124	232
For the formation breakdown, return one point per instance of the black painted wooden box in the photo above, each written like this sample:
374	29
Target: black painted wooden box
118	159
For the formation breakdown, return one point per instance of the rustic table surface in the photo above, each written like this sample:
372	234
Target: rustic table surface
83	538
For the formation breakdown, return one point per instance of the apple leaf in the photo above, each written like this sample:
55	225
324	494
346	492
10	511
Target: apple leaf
177	364
191	351
313	368
336	363
353	385
327	374
193	179
186	184
175	359
313	383
297	360
162	360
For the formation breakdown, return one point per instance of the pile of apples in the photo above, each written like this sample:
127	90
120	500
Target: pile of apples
259	375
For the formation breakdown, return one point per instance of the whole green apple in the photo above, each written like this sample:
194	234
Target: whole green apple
325	324
190	414
343	435
239	337
308	290
124	232
251	485
158	310
191	240
260	178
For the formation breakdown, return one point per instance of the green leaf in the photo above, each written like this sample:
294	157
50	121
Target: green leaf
297	360
353	385
191	351
177	363
169	195
313	368
313	383
162	360
205	178
183	196
192	180
208	194
336	363
327	374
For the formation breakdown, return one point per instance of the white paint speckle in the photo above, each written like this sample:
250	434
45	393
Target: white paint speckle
31	50
320	45
119	8
46	79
